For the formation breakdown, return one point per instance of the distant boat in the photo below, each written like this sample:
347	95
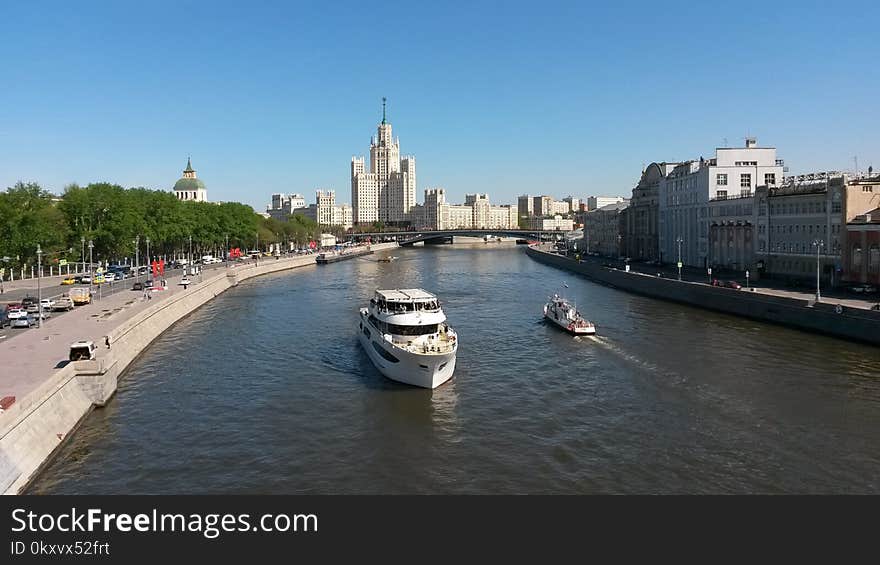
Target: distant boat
387	259
562	313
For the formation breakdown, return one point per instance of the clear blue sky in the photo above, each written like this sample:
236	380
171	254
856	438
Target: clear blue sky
501	97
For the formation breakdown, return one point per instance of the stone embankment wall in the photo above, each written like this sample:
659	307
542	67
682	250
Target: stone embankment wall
845	322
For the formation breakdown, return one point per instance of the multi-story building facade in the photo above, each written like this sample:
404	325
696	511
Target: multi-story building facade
685	192
573	204
602	229
525	206
476	213
861	252
387	192
641	230
596	202
326	212
542	205
554	223
283	205
792	217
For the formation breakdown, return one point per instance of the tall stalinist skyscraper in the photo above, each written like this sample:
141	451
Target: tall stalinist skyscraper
388	192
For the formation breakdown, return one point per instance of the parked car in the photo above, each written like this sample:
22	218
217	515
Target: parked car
25	321
4	319
47	303
30	303
63	303
82	350
137	286
85	279
109	276
68	281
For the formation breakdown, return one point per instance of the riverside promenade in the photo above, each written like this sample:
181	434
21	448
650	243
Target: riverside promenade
847	319
53	395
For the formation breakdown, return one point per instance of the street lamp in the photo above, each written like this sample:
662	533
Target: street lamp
227	251
619	252
91	274
82	241
147	262
679	241
190	261
819	244
39	286
137	261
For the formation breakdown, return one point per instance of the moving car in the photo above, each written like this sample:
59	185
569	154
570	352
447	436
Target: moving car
63	303
4	319
86	279
68	281
733	284
47	303
185	281
25	321
138	285
81	295
16	313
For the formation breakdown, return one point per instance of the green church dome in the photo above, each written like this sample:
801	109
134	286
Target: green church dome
189	184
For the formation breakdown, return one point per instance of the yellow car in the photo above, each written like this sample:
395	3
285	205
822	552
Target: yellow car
68	280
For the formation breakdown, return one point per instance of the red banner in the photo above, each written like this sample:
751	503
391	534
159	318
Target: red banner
155	269
162	267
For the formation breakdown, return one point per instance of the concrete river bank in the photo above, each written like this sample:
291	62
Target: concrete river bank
265	390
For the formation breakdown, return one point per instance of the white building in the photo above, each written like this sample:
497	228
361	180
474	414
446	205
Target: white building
596	202
476	213
327	213
387	192
283	205
685	193
555	223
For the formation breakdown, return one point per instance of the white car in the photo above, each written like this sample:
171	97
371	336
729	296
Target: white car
109	277
17	313
185	281
47	303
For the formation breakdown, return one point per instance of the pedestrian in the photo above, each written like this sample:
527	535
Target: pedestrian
107	341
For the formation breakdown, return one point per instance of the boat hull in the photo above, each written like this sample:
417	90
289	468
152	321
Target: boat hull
571	328
426	371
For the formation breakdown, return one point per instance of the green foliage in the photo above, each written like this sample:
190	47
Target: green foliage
112	217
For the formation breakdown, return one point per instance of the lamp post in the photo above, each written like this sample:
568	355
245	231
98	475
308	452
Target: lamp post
747	280
137	261
39	286
679	240
91	245
619	252
189	261
147	262
82	241
227	252
818	243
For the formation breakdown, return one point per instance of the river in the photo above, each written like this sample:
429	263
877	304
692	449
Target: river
266	390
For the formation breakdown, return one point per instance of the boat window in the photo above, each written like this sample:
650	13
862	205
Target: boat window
367	332
412	330
385	355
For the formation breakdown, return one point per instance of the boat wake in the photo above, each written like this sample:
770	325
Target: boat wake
620	352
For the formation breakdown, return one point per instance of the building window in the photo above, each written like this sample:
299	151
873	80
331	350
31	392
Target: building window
874	259
769	178
857	258
745	180
835	207
722	194
721	179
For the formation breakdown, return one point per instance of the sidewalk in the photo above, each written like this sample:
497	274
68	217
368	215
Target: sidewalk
28	358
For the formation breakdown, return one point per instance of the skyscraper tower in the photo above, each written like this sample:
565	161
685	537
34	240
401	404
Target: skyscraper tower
388	191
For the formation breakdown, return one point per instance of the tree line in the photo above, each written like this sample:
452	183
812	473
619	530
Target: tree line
113	217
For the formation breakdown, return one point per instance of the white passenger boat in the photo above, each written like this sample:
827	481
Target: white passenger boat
405	334
566	316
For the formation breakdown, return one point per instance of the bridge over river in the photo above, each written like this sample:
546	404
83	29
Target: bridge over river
411	237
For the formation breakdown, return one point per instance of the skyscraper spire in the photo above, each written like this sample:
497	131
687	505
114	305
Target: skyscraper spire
383	109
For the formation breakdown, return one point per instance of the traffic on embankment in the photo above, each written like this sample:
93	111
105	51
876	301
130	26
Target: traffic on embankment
831	318
53	393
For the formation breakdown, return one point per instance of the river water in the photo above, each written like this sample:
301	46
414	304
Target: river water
266	390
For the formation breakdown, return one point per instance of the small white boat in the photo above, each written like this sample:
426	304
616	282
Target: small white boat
565	315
